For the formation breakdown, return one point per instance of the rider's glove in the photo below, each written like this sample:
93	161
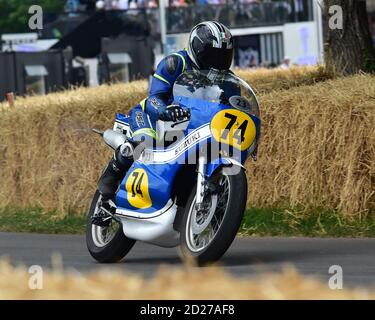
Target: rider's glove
173	113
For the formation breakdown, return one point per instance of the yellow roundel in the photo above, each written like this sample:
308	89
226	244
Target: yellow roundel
137	189
233	127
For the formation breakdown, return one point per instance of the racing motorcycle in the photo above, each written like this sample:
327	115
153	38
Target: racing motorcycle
189	190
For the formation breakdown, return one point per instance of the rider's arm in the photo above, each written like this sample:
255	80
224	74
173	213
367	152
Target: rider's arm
162	82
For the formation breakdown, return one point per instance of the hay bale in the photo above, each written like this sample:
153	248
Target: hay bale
167	284
266	80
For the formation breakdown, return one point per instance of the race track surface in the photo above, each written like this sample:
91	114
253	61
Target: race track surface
246	257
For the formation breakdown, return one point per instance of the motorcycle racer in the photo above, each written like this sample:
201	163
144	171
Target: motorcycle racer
210	46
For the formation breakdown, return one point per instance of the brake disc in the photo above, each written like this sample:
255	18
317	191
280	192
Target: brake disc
198	228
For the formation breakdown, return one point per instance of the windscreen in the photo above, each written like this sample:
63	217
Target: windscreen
221	87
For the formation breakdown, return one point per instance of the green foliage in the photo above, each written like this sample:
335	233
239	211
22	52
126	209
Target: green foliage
14	14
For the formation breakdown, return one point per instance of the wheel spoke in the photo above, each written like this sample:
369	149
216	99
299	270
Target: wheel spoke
201	238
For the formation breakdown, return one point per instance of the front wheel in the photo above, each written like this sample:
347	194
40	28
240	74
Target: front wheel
106	244
207	234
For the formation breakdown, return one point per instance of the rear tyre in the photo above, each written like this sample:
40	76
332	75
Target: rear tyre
106	244
206	236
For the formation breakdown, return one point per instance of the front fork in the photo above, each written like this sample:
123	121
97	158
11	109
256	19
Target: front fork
201	182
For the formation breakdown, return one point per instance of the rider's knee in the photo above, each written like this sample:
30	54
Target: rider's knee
124	156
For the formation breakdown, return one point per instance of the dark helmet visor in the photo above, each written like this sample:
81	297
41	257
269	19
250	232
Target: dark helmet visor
217	58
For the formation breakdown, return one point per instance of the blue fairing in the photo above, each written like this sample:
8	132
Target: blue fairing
161	176
202	111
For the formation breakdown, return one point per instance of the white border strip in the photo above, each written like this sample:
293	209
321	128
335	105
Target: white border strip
142	215
171	154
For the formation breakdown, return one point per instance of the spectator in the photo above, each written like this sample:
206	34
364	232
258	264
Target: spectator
152	4
178	3
214	2
123	4
202	2
141	3
133	4
253	63
247	57
114	5
100	4
283	11
298	11
286	63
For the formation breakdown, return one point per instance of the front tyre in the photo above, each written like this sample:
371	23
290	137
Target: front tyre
106	244
206	235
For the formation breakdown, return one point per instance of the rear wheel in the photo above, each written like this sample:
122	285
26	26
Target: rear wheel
207	234
106	244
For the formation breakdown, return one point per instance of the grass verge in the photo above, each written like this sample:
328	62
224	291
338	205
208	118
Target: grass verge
257	222
39	221
307	223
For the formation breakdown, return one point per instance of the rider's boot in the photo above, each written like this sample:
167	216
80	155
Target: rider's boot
113	174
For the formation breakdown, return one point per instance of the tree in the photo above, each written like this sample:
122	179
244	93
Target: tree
349	48
14	14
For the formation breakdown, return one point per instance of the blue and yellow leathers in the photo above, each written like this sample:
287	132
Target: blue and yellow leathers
143	117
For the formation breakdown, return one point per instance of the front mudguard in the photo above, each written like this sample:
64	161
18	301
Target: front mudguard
233	165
